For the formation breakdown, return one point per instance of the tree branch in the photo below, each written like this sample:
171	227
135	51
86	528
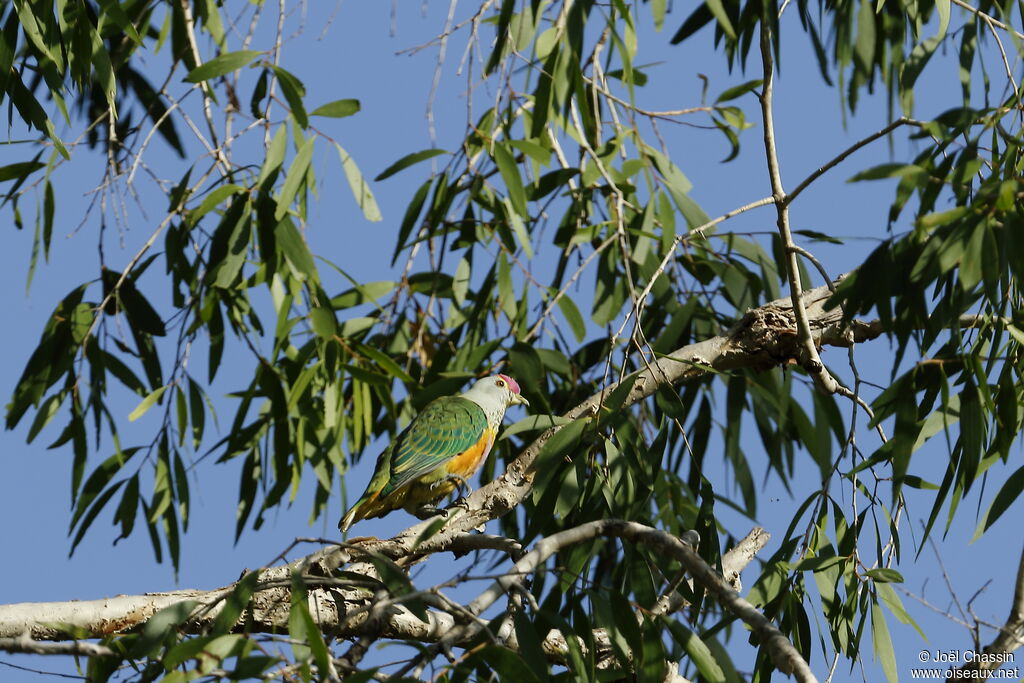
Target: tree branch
785	657
345	609
25	645
809	358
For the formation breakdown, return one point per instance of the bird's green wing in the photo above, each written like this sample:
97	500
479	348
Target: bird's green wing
445	428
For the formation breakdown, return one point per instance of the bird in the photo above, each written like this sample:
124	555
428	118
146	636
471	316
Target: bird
440	449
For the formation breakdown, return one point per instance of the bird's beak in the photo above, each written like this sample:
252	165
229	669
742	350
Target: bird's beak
518	399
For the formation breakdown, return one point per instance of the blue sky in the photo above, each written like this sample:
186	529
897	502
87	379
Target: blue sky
356	58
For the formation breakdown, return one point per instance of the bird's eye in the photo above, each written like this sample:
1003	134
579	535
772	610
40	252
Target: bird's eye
500	382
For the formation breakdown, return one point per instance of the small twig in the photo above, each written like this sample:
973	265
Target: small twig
988	18
832	163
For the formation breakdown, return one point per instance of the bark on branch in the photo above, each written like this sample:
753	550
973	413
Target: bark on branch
342	609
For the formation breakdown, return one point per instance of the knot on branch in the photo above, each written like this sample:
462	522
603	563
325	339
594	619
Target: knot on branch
768	335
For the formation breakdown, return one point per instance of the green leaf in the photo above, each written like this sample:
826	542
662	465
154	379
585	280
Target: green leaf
218	66
408	160
1008	494
20	170
159	626
890	170
147	403
90	516
386	363
723	18
697	650
305	634
508	665
882	643
296	251
112	12
293	91
295	178
235	602
573	317
510	174
360	188
367	292
561	442
213	200
888	595
337	109
738	91
885	575
275	154
323	321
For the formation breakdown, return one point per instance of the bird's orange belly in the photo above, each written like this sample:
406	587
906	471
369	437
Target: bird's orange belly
467	463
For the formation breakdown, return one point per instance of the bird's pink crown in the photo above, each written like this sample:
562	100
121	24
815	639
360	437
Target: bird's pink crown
512	384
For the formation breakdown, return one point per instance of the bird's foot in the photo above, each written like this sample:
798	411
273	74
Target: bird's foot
461	484
459	502
428	511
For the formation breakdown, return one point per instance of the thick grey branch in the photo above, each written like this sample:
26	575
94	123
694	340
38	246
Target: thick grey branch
340	609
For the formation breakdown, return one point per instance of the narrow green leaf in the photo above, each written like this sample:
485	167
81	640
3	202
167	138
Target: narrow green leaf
303	629
19	170
158	626
408	160
296	251
510	174
324	324
1008	494
295	178
95	510
386	363
147	403
508	664
218	66
337	109
293	91
235	602
573	317
885	575
275	154
882	642
213	200
697	650
112	12
563	441
723	18
360	189
738	90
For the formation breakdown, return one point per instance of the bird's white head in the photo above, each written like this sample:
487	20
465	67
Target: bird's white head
495	391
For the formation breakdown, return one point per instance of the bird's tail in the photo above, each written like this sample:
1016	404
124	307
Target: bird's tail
348	519
361	510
